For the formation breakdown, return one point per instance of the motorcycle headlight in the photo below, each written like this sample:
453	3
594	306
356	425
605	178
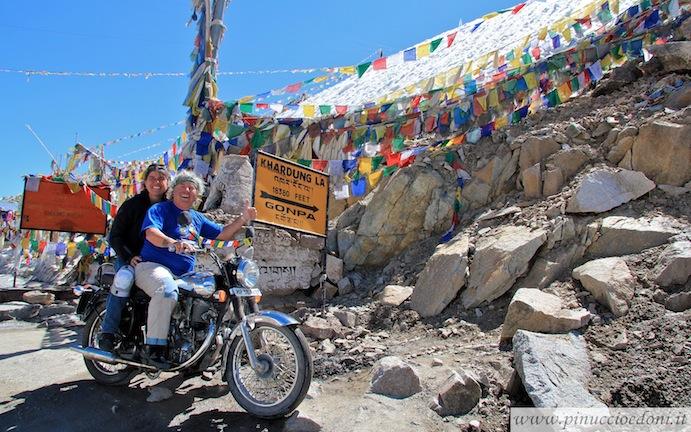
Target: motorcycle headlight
248	273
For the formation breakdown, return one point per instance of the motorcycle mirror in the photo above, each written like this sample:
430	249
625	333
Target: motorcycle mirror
184	219
249	232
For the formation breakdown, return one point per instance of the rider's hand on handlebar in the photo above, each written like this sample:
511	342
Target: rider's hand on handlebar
182	247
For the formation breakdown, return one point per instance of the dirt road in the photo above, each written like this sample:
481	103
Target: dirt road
45	387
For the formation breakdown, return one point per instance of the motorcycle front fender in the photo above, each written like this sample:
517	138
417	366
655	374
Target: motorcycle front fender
267	316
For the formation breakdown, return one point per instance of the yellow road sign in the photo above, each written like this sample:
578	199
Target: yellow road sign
289	195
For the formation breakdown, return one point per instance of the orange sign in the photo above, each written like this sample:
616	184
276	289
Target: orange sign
290	195
53	207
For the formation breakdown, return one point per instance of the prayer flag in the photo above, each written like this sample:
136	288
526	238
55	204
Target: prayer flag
450	38
409	55
422	50
379	64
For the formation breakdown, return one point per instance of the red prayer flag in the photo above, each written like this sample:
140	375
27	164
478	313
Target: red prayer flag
449	38
341	109
379	64
536	53
518	8
393	159
294	87
320	165
262	106
415	102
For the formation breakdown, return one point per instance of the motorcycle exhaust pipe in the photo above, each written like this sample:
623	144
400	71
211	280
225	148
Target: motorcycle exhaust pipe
95	354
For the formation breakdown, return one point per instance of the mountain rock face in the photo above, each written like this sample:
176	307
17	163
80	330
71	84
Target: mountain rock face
500	258
416	203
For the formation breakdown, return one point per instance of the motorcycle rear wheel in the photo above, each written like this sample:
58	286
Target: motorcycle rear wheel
103	373
277	392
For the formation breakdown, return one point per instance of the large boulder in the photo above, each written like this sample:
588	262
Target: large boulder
500	258
491	178
442	278
457	395
535	149
416	203
532	181
603	190
610	281
231	186
621	235
674	56
674	265
554	370
568	161
395	378
662	151
394	295
38	297
534	310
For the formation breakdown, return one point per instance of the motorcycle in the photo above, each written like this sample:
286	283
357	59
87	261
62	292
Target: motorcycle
217	326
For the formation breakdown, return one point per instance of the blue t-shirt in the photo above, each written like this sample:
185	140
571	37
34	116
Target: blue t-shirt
164	216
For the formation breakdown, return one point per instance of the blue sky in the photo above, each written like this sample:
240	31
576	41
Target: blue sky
151	36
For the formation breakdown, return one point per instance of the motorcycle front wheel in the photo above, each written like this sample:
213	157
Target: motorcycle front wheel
277	390
104	373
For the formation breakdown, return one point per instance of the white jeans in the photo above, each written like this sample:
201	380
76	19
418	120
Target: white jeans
158	282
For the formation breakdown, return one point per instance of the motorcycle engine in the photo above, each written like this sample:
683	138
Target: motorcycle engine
188	328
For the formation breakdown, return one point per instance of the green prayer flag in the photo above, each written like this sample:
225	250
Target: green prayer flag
325	109
246	108
553	98
308	81
450	157
575	85
645	4
259	138
397	144
362	68
434	44
456	206
305	162
510	56
234	130
526	59
515	117
376	162
387	171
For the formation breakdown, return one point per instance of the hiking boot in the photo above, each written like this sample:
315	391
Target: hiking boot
155	355
106	342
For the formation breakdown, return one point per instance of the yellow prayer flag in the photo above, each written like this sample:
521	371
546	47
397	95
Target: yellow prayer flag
517	52
348	70
321	78
495	60
515	63
501	122
245	99
493	98
614	6
567	34
440	81
564	91
183	137
373	178
422	50
490	15
530	80
410	89
482	62
542	34
308	110
482	100
589	10
526	41
606	62
365	165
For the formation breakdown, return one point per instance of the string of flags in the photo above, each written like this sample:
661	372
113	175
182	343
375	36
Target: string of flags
217	244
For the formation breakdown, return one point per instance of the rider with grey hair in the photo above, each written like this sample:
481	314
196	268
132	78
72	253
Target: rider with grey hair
160	264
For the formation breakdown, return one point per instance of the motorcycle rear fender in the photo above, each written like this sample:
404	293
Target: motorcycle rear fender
89	301
266	316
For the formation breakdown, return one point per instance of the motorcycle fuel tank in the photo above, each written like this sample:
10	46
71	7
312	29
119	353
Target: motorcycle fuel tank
202	284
